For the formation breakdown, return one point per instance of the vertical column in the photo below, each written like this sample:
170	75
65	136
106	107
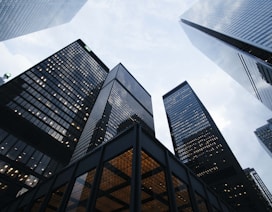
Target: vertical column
96	182
135	205
170	190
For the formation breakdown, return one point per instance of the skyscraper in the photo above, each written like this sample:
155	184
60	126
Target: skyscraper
259	186
199	144
43	112
236	35
25	16
264	135
122	101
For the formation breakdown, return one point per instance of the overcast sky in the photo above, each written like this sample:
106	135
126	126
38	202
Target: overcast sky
146	37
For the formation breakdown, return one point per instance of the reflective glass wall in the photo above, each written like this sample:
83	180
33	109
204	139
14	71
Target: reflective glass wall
22	17
43	112
237	37
200	145
122	102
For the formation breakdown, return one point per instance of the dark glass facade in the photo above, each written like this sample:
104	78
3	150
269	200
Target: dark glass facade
264	135
260	187
43	112
121	102
199	144
237	37
132	172
25	16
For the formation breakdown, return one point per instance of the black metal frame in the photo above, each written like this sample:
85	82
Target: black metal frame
134	138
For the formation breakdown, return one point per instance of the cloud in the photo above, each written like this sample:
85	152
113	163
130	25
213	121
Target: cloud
12	63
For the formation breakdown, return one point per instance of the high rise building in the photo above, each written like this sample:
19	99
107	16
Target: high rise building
122	101
133	172
199	144
25	16
43	112
236	35
259	186
264	135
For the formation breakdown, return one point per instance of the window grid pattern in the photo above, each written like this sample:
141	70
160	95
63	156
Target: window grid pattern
108	185
53	101
154	190
81	192
264	135
117	109
115	184
23	17
199	144
241	33
58	94
246	20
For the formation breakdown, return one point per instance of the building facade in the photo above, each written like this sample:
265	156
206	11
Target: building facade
25	16
237	37
132	172
264	135
121	102
259	186
199	144
43	112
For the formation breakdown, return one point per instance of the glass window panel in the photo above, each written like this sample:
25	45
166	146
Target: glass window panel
201	204
56	198
37	204
182	195
81	192
154	190
115	185
7	144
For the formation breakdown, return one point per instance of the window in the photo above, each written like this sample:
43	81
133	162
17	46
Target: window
154	190
56	198
183	202
115	186
81	192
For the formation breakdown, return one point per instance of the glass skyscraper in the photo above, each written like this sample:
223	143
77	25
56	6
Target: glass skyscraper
259	186
122	102
43	112
199	144
20	17
264	135
236	35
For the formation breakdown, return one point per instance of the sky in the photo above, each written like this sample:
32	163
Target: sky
147	38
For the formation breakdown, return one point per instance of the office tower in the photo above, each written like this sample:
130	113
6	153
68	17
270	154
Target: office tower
259	186
199	144
43	112
133	172
121	102
236	35
25	16
264	135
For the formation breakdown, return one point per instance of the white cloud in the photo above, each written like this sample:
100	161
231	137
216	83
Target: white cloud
10	63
